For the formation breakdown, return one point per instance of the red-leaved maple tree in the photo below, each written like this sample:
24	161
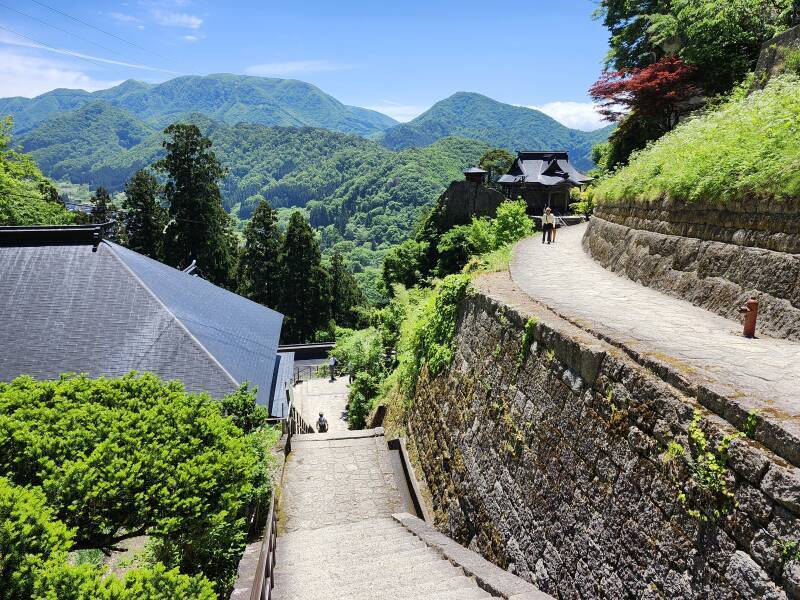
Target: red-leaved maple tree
654	93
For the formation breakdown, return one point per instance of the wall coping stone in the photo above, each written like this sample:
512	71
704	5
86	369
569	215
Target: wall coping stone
490	577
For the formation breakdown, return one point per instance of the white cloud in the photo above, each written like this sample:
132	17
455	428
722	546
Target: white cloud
22	75
15	40
399	112
190	38
578	115
176	19
294	67
123	18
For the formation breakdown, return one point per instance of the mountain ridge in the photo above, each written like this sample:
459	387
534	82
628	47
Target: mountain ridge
224	97
476	116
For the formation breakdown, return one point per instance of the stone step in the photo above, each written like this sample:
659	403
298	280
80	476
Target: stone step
355	532
404	562
298	553
385	585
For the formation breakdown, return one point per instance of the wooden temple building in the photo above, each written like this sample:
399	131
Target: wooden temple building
542	179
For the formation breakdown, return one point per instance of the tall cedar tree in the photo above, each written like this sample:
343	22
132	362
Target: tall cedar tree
145	218
346	295
305	290
199	228
260	264
104	211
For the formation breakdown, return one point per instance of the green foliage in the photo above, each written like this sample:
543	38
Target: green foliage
305	285
198	229
750	424
223	97
145	218
707	493
722	38
497	162
30	537
118	458
511	223
482	236
789	549
528	337
347	301
404	264
26	197
747	148
242	409
259	276
67	582
431	342
364	388
791	60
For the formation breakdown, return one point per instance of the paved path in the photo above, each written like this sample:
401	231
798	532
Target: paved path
762	374
314	396
338	539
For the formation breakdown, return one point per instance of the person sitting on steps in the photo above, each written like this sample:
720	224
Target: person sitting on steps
322	424
548	225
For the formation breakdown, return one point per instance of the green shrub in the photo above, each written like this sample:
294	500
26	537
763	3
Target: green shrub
67	582
748	148
30	537
431	341
511	224
120	457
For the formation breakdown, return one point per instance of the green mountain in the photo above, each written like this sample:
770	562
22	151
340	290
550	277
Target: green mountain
362	196
223	97
500	125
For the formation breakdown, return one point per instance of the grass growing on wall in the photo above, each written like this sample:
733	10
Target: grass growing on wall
749	147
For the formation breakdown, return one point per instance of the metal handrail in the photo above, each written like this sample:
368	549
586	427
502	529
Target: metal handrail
265	580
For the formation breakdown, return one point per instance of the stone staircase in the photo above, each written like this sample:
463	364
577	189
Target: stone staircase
376	558
345	532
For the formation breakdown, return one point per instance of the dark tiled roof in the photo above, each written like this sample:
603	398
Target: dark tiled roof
545	168
67	308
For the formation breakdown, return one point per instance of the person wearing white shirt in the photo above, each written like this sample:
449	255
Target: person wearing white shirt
548	225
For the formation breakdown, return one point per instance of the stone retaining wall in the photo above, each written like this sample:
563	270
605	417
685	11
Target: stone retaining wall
768	224
714	266
551	462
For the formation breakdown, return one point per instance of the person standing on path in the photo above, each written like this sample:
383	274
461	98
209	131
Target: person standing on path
332	366
548	224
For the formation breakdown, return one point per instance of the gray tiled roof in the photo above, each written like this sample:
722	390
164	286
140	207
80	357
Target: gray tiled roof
65	308
545	168
284	373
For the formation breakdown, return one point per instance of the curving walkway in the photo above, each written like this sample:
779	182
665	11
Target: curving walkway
698	347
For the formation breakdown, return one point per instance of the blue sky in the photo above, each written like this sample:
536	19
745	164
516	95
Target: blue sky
396	57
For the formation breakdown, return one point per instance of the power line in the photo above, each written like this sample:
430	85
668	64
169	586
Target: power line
103	62
77	20
75	35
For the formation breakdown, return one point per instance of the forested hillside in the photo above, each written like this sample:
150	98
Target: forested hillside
222	97
501	125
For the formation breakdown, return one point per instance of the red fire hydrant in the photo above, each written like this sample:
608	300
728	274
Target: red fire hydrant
750	311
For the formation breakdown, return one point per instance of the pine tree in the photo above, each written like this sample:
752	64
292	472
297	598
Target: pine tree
305	285
346	296
199	228
103	211
259	275
145	217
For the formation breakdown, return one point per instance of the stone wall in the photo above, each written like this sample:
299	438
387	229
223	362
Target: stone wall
464	199
772	60
713	258
546	453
